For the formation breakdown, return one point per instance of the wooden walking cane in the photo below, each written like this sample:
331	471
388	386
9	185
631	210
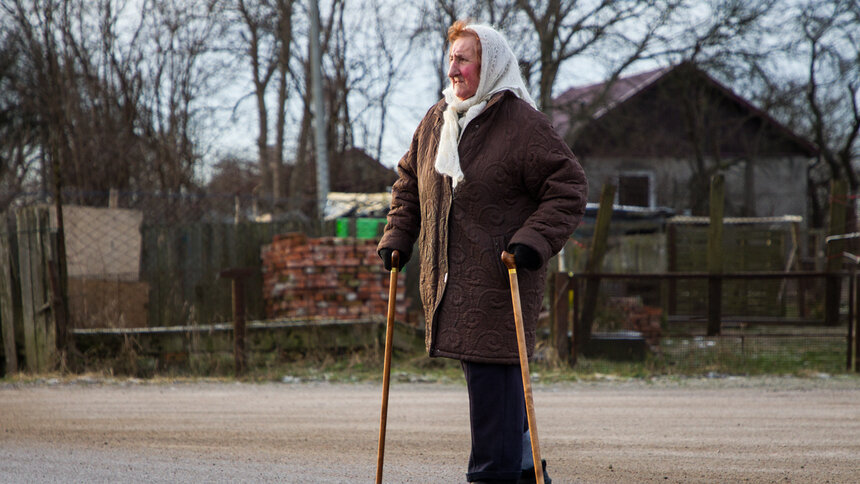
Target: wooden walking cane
511	264
386	365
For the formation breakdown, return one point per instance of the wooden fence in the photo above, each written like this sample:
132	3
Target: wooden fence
570	334
179	268
745	249
181	264
713	257
27	303
178	283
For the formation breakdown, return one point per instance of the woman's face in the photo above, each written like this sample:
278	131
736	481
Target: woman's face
465	67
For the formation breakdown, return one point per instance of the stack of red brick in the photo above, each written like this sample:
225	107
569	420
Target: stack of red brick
646	320
641	318
328	277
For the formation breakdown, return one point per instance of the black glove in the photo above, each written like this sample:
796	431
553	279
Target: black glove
385	255
525	257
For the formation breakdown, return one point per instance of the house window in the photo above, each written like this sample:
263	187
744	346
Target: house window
636	188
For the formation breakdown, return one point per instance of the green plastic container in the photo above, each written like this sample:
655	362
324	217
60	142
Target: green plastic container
342	227
368	228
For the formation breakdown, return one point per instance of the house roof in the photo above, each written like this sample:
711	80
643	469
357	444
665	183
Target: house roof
355	170
601	99
617	92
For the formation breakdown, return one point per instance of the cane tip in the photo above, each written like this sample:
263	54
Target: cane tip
509	260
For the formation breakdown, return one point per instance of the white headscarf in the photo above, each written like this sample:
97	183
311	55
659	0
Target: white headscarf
499	72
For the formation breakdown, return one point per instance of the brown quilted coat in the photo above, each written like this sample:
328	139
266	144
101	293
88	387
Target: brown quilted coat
522	185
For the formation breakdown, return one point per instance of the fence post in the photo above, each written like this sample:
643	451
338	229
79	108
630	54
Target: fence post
833	250
237	276
856	335
8	299
25	225
852	307
560	313
34	250
574	320
715	255
58	307
672	263
594	264
58	283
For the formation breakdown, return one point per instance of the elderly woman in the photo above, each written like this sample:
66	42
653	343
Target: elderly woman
485	173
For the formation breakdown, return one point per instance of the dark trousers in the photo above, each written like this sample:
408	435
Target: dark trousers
498	420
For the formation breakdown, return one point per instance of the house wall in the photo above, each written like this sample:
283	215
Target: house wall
781	187
778	184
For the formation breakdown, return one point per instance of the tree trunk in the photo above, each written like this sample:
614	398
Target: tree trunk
285	15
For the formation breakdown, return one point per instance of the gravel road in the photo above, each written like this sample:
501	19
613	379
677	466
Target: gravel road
719	430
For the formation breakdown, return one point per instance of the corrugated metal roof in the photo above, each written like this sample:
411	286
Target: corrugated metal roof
343	204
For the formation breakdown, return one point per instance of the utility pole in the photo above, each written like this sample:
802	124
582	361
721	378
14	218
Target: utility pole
318	110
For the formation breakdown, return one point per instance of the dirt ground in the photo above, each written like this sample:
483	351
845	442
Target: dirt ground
696	430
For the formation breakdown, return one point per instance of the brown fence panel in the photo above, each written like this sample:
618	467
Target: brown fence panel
764	338
10	305
746	249
34	252
181	265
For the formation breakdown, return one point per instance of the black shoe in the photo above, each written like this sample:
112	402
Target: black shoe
528	475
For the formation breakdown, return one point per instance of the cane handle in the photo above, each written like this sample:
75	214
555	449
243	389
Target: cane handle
509	260
395	260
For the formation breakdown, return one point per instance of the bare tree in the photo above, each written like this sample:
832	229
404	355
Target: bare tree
178	73
302	183
832	84
391	63
18	125
40	69
565	29
266	37
260	48
234	176
813	85
726	39
285	10
115	101
337	86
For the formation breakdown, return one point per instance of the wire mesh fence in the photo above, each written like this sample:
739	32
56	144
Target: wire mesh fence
788	351
149	259
144	260
786	333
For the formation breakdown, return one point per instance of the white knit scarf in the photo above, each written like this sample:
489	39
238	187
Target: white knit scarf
499	72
